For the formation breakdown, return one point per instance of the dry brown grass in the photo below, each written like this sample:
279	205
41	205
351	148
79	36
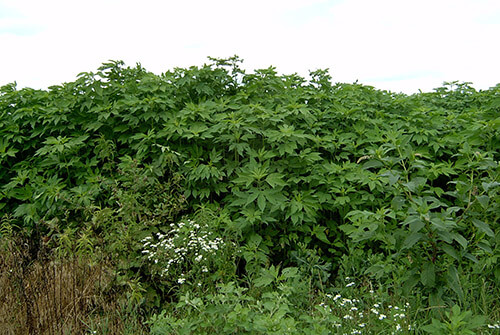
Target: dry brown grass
43	294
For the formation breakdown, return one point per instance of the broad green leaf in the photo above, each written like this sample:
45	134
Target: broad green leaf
251	195
435	328
267	276
319	232
471	257
484	245
261	202
449	250
275	179
476	321
446	236
453	281
428	275
263	281
460	239
290	272
398	202
484	200
483	227
412	239
415	223
393	176
488	186
373	163
410	283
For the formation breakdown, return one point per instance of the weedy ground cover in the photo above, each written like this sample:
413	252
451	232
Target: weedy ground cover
207	193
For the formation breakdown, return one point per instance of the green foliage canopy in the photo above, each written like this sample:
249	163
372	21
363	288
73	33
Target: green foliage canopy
411	179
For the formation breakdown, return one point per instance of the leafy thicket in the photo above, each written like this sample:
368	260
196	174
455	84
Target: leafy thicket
404	189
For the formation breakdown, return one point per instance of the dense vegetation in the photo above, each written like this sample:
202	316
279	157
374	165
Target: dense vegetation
208	200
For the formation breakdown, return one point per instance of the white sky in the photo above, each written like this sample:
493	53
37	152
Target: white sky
399	45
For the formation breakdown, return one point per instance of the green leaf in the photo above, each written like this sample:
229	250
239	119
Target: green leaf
415	184
263	280
471	257
261	202
476	321
275	179
461	240
319	232
267	276
484	245
21	193
453	281
428	275
276	198
435	328
410	283
483	227
373	163
415	223
252	194
412	239
290	272
488	186
393	177
398	202
484	200
449	250
446	236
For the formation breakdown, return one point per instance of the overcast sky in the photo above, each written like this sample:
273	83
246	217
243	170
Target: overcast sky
398	45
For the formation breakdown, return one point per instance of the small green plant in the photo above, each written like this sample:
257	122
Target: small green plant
273	305
457	322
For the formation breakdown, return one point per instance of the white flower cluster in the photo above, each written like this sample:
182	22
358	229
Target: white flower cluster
186	243
356	314
494	326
